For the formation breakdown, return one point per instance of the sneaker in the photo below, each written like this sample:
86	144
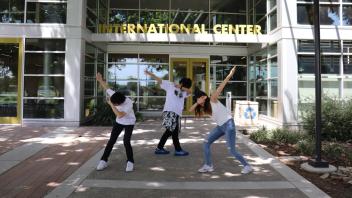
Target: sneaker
161	151
129	166
181	153
247	169
102	165
206	168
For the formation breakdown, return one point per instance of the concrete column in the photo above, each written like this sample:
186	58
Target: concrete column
76	12
288	85
73	84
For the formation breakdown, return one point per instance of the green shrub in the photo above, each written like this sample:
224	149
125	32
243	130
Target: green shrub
285	136
333	150
261	136
336	120
306	146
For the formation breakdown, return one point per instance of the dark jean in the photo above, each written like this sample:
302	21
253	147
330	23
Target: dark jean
229	130
116	130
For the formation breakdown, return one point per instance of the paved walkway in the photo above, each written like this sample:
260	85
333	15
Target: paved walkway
60	162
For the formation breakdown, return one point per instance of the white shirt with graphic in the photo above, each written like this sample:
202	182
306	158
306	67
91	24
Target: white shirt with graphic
175	98
127	107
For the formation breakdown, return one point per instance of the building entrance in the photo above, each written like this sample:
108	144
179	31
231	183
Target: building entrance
197	69
10	80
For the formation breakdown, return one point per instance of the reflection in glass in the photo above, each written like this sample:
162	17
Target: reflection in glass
262	88
347	15
45	63
43	86
179	70
263	107
8	80
329	14
154	17
151	103
125	4
178	17
273	88
11	11
122	72
233	60
150	88
194	5
223	71
232	6
329	64
273	67
154	58
123	16
127	58
154	4
38	108
347	64
46	12
34	44
273	20
237	89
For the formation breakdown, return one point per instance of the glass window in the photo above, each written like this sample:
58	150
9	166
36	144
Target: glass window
46	12
273	68
273	88
124	16
12	11
151	103
150	88
155	4
33	44
193	5
154	17
273	20
228	60
347	47
44	86
231	6
127	58
329	14
8	79
154	58
236	88
272	4
45	63
125	4
44	58
45	109
329	64
347	14
218	18
347	64
223	71
262	88
263	106
122	71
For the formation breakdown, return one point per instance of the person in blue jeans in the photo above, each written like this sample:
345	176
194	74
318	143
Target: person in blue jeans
225	125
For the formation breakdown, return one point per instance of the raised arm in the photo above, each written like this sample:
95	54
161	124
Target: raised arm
101	81
153	76
214	96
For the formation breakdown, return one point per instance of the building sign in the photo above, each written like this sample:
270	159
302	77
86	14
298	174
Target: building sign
179	29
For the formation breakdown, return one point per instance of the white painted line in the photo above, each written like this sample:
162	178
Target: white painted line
71	183
125	184
10	159
294	178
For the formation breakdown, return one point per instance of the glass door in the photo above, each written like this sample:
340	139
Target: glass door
195	69
10	80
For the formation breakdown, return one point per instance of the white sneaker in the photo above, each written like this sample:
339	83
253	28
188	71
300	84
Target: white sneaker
247	169
102	165
206	168
129	166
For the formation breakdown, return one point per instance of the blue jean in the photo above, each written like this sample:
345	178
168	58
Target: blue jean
229	130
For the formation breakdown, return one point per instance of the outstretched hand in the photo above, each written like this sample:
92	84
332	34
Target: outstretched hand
232	72
99	77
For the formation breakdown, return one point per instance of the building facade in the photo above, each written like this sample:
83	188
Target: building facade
50	51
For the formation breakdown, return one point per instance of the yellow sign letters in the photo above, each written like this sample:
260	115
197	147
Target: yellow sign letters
179	29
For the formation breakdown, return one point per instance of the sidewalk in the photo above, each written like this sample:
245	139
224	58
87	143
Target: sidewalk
61	163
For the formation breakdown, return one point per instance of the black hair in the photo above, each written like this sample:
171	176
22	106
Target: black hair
186	82
117	98
206	108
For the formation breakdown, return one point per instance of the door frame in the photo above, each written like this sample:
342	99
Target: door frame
18	119
189	71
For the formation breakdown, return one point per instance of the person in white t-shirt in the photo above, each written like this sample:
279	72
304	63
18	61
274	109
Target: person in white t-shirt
122	107
225	125
172	112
